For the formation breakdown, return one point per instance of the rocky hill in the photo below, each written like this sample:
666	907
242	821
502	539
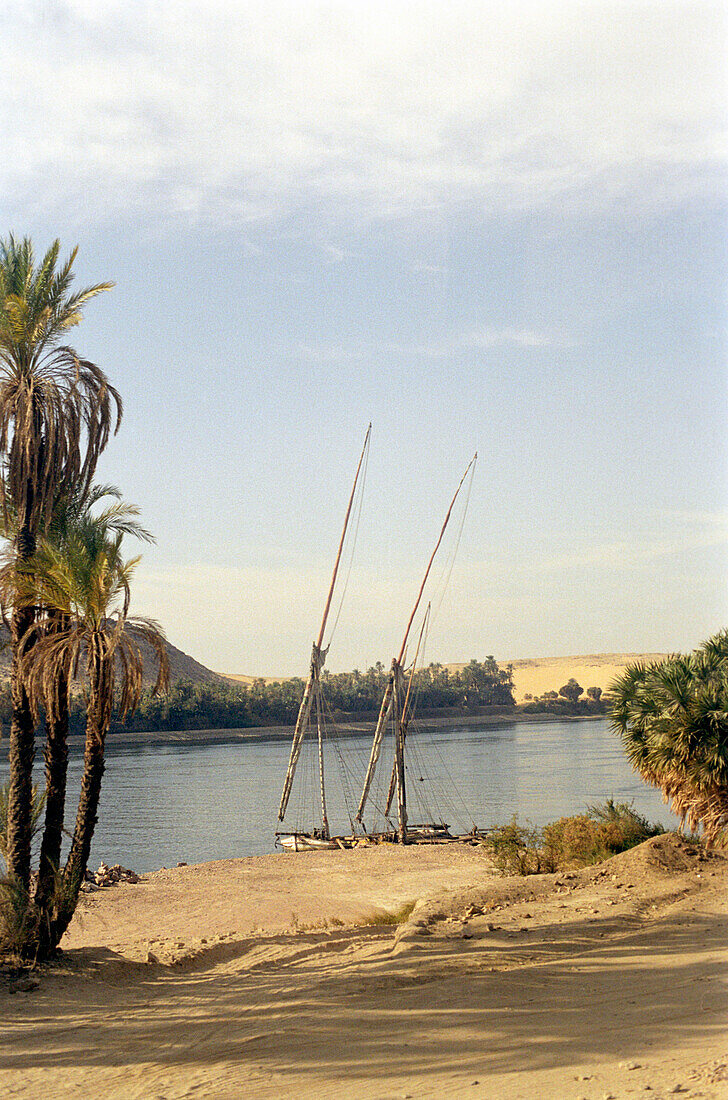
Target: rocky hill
181	666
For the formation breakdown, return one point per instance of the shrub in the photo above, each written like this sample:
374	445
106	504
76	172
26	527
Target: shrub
517	848
578	841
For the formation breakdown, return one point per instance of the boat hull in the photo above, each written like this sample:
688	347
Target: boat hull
302	842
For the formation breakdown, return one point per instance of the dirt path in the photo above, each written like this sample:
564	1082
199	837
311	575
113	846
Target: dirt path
607	982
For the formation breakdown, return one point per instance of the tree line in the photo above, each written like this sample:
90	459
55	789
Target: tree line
227	705
569	700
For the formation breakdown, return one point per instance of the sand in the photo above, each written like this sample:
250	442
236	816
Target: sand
276	977
535	675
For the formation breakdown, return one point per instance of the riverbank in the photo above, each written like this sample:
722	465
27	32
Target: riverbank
261	734
277	977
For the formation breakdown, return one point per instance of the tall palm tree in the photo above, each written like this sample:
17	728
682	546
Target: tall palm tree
88	582
56	414
673	720
71	513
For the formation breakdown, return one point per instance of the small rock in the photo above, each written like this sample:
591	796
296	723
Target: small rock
630	1065
151	957
467	935
182	863
24	985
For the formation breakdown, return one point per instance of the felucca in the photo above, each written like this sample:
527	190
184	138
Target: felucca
397	706
319	836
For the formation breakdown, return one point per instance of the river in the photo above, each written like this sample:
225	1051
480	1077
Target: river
162	804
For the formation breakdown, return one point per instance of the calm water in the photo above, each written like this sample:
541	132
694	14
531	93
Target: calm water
163	804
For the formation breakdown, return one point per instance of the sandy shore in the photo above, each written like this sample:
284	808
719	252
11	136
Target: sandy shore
278	977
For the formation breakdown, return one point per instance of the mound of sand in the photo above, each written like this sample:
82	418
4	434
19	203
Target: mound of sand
608	981
534	676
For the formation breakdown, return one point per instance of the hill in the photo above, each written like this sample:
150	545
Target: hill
534	676
181	665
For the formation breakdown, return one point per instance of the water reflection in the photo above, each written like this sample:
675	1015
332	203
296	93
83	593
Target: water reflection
166	803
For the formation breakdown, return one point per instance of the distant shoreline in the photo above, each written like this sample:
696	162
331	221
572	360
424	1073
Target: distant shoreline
261	734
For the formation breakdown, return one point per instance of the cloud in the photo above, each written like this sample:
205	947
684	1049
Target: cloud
329	353
429	269
454	344
229	113
489	337
694	532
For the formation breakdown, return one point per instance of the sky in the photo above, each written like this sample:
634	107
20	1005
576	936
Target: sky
479	226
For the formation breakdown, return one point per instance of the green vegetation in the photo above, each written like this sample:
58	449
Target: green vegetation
672	717
63	582
189	706
568	700
579	841
229	705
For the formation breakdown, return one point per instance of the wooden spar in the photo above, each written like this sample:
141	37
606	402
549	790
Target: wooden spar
341	540
384	712
386	706
400	732
318	656
432	558
319	729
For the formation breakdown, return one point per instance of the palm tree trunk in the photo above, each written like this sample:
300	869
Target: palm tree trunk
98	715
22	741
56	769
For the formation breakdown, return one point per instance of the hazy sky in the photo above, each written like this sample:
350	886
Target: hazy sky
478	225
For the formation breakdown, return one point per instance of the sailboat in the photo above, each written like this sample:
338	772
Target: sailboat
397	705
319	836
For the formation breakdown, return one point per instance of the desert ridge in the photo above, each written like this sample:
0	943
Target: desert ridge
536	675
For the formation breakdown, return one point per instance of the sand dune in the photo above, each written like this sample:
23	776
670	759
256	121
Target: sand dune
535	675
271	978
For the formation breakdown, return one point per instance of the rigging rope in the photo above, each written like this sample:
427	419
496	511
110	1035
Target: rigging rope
358	512
449	565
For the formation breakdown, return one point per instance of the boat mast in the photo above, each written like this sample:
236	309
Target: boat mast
390	693
318	657
403	713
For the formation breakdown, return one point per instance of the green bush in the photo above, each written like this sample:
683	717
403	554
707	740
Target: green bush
517	849
578	841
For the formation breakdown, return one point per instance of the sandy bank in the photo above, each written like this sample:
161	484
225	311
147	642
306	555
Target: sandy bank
599	983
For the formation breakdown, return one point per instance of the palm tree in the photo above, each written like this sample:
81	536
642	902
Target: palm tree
673	720
71	513
56	414
87	581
